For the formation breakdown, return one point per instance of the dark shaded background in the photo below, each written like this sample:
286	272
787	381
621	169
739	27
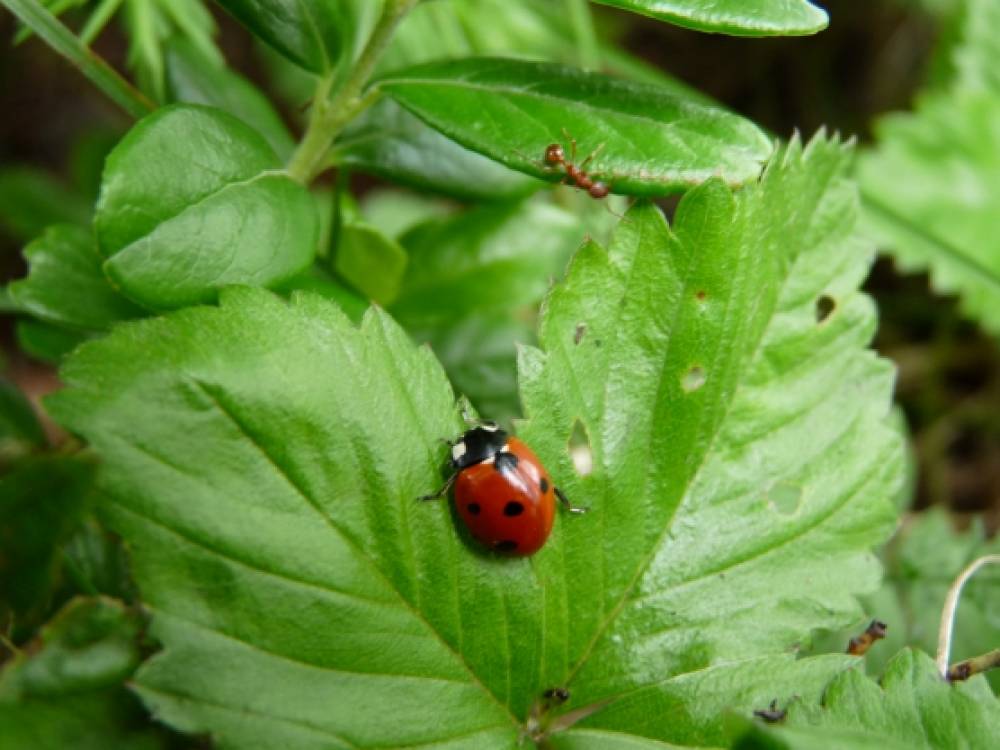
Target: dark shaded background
871	60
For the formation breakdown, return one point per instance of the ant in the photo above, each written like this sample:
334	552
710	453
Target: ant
555	156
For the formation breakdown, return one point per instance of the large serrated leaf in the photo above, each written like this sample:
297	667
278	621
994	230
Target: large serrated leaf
301	592
643	139
733	504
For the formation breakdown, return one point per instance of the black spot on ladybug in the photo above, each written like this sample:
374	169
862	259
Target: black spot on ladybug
473	508
505	461
513	508
507	545
543	484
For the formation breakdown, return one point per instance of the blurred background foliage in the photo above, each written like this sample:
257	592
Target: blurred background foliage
915	81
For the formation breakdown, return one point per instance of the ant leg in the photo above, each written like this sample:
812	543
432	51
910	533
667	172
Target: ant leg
572	145
441	492
567	504
592	154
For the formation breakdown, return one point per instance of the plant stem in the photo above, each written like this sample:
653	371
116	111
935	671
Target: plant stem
965	669
950	608
329	116
62	40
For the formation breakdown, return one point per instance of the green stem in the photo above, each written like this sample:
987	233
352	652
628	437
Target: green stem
582	23
329	116
62	40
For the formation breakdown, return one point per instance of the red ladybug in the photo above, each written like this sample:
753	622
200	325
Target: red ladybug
502	491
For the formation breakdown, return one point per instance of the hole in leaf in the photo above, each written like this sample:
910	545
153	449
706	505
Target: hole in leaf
825	306
579	449
693	379
785	497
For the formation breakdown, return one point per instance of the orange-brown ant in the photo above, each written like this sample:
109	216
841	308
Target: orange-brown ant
555	156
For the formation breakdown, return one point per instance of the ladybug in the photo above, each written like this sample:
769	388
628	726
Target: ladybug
502	492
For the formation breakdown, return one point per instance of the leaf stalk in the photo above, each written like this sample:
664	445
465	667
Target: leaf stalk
329	115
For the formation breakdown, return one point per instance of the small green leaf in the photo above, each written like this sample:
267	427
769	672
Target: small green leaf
736	17
371	262
320	281
42	500
315	34
486	260
644	139
90	644
193	78
65	284
20	430
45	341
193	200
912	709
472	287
67	691
390	142
31	200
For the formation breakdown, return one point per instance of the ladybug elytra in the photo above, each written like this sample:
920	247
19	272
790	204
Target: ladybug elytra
502	491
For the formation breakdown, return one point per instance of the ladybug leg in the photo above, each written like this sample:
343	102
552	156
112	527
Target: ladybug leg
567	504
441	492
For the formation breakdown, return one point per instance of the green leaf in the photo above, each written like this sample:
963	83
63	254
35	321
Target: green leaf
371	262
193	200
652	141
933	203
65	284
736	17
472	287
193	78
20	430
486	260
46	342
457	28
695	363
931	185
315	34
976	56
42	500
67	693
390	142
320	281
31	200
261	459
913	709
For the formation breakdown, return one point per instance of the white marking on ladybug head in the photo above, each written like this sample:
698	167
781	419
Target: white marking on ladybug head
458	450
490	426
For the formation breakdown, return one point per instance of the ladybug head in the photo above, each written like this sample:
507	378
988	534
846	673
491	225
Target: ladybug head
479	444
